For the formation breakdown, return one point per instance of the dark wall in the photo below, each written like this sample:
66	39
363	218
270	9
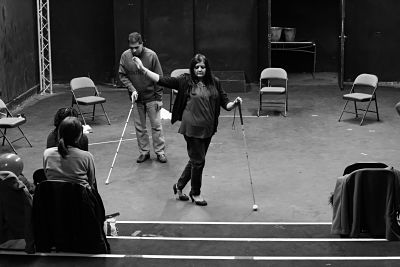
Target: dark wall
373	38
82	39
18	48
226	32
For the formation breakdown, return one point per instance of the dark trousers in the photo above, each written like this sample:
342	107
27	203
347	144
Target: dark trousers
197	150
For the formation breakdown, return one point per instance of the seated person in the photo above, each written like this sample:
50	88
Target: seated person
16	231
62	113
67	161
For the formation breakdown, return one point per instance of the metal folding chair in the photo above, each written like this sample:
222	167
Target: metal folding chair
273	81
362	82
82	84
8	121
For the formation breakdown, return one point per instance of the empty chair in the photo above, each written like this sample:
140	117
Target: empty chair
8	121
362	90
80	96
273	81
176	73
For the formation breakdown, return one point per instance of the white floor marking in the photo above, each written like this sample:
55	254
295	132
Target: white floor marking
195	257
113	141
246	239
229	223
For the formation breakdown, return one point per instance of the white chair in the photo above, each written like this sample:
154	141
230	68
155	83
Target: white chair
81	97
273	81
362	82
176	73
9	121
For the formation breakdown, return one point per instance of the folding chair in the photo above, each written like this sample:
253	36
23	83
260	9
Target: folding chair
80	98
9	121
273	81
362	82
176	73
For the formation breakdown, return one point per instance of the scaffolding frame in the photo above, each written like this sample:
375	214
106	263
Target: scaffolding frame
43	24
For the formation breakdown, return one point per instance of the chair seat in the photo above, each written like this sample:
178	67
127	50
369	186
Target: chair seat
272	90
90	100
357	97
11	122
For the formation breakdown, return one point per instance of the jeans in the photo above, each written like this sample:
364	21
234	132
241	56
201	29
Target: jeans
197	150
152	109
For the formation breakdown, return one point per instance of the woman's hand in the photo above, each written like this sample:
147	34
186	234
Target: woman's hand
234	103
138	63
237	101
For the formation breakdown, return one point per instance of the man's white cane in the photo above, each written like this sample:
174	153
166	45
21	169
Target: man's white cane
120	140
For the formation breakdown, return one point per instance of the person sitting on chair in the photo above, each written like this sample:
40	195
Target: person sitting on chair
61	114
67	161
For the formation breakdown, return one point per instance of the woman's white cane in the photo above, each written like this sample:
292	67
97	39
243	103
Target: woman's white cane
255	206
120	140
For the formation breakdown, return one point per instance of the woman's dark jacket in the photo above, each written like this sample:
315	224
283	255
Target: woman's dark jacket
183	84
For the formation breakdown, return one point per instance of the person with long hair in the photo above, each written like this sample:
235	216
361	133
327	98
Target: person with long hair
67	161
61	114
197	106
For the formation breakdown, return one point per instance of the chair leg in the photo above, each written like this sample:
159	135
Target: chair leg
94	109
8	141
355	108
259	105
80	112
170	100
376	107
105	113
366	111
24	136
345	105
4	135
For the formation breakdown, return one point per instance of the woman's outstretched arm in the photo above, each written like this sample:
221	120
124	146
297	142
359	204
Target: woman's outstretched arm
148	73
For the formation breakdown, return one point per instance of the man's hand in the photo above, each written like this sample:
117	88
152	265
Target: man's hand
133	94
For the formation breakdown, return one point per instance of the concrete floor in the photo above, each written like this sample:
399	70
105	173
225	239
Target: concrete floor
294	160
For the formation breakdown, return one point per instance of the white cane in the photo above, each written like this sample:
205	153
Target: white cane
120	140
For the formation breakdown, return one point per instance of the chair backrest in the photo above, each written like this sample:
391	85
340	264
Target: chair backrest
363	165
2	104
81	82
366	79
273	73
69	217
178	72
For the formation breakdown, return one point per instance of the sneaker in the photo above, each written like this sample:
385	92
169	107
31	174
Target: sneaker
143	158
162	158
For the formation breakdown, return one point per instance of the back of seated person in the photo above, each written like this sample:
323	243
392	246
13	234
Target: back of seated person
67	161
61	114
16	232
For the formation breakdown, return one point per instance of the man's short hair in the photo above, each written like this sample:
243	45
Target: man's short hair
135	37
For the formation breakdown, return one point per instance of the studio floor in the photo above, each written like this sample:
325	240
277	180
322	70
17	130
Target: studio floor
294	160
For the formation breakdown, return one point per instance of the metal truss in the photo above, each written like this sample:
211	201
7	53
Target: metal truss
43	23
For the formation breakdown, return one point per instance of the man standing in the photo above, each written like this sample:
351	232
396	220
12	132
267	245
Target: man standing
147	95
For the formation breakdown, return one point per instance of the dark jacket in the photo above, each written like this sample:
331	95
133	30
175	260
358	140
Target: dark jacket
15	210
183	84
367	201
69	217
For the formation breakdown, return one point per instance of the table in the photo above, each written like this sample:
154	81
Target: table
305	47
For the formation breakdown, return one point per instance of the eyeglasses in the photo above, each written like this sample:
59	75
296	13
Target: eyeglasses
199	67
